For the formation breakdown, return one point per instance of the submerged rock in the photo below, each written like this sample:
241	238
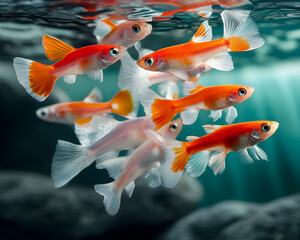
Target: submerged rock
209	222
31	208
234	220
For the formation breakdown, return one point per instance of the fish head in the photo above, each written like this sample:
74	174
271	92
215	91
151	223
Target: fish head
152	62
238	93
262	130
109	54
172	129
54	114
136	31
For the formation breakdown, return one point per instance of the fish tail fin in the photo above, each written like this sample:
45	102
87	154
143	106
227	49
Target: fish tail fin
240	31
181	157
161	110
174	162
123	103
35	77
68	160
112	197
132	77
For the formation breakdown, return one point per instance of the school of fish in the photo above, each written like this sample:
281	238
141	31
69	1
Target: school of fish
153	151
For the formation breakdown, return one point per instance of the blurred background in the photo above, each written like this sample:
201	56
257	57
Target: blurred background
29	204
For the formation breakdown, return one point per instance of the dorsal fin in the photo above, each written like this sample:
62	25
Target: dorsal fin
104	27
189	87
203	34
94	96
56	49
211	128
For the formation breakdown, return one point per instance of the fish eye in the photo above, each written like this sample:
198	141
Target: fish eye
136	28
265	127
173	127
114	52
242	91
149	61
43	113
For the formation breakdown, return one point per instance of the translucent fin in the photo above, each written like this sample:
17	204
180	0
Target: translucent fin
153	178
112	197
96	75
231	114
203	34
189	87
211	128
189	116
222	61
68	160
70	79
34	77
103	27
215	114
98	127
245	157
131	76
56	49
113	166
205	12
258	153
180	73
217	162
169	178
94	96
197	163
169	90
191	138
129	188
240	31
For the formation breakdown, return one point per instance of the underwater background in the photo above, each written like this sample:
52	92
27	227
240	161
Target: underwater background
30	206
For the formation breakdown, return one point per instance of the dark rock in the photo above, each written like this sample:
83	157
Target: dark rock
207	223
279	219
31	208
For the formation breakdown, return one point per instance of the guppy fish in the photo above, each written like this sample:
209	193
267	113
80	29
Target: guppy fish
70	159
82	112
220	97
143	159
126	34
38	79
240	34
195	155
137	79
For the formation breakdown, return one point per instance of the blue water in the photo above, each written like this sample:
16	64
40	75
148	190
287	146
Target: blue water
273	70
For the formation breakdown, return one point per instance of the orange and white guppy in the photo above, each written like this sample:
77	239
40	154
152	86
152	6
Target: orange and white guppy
215	99
81	112
38	79
194	156
240	34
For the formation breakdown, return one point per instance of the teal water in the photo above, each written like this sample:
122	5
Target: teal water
273	70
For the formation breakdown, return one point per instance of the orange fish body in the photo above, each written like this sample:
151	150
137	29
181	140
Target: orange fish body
38	79
194	156
82	112
207	98
240	34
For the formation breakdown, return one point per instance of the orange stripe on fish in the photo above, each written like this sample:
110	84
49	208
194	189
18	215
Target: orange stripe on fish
109	23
